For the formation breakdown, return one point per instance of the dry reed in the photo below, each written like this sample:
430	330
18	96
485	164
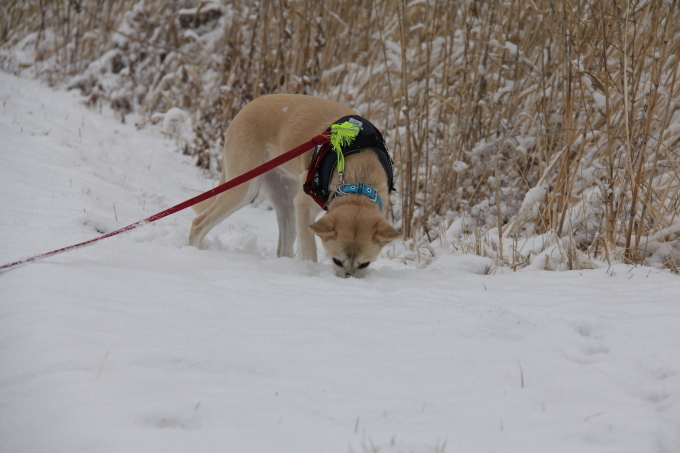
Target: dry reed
549	118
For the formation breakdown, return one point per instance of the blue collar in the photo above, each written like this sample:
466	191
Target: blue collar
359	189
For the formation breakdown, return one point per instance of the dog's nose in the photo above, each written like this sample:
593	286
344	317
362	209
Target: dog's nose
347	274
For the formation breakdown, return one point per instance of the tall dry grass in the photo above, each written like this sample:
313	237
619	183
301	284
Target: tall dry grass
548	117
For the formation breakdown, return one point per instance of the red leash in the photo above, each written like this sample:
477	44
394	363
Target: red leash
257	171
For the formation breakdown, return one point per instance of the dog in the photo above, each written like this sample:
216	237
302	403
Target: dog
352	232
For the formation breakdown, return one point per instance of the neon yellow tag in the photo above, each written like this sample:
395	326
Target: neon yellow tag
342	134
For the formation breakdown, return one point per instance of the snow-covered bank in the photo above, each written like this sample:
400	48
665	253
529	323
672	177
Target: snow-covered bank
142	343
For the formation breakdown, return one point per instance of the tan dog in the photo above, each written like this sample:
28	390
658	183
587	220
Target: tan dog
353	232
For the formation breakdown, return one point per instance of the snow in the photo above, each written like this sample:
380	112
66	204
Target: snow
512	48
459	166
142	343
533	196
176	121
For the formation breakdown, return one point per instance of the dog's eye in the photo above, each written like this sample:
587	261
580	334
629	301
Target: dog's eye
363	265
337	262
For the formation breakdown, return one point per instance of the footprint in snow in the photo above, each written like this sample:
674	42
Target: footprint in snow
168	421
592	347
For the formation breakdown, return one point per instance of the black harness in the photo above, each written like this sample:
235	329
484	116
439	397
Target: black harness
324	159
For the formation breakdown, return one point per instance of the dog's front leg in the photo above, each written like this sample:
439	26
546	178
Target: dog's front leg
305	214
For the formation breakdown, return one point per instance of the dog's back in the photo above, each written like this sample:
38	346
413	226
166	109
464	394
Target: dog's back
276	123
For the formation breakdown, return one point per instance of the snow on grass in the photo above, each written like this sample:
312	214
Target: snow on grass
142	343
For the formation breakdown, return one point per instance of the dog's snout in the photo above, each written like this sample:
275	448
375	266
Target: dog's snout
347	274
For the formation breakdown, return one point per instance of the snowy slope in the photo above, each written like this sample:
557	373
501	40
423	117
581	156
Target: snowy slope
141	343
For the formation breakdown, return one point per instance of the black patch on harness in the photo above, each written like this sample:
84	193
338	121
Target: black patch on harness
324	159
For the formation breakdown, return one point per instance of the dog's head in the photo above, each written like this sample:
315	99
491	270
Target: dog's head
353	236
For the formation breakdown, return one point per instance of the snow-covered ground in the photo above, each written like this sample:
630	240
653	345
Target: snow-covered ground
140	343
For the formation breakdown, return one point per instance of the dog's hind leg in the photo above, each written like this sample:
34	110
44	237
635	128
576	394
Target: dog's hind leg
243	151
222	206
280	190
203	205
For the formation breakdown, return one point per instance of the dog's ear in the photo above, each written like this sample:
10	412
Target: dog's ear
324	227
385	233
